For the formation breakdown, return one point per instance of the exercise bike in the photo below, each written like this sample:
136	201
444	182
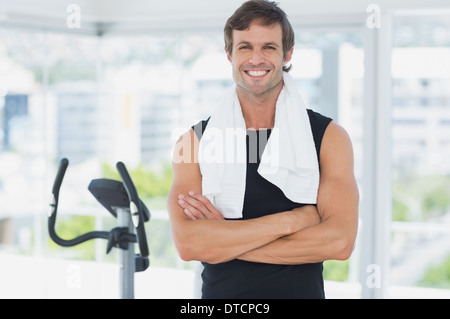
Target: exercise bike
122	201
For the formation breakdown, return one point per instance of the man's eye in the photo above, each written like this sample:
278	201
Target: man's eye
244	47
270	47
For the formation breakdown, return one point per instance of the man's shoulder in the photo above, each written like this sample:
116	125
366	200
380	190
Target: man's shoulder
336	144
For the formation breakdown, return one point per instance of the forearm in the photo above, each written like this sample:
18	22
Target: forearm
220	241
310	245
203	234
215	241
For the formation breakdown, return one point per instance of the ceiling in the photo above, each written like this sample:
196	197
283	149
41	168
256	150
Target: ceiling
135	16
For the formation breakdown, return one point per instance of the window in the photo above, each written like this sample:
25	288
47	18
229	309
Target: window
420	181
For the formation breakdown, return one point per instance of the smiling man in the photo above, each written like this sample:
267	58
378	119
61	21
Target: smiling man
262	228
257	57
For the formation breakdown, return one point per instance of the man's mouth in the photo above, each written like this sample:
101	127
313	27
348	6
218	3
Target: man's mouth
257	73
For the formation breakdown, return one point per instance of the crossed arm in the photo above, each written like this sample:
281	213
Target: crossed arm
308	234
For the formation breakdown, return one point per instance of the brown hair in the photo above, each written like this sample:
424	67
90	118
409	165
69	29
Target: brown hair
267	13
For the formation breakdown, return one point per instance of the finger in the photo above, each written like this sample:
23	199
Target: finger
188	213
190	210
196	206
204	200
212	211
192	213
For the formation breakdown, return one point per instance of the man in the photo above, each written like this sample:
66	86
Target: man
277	246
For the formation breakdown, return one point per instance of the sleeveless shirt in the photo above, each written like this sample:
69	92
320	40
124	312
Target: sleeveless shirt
237	279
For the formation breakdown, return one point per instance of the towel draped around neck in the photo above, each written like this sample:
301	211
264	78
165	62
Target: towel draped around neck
289	159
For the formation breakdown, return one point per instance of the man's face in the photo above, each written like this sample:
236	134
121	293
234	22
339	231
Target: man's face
257	59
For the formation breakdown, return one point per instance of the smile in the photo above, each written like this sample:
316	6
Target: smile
258	73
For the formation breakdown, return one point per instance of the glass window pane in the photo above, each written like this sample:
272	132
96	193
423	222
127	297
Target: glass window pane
421	181
23	137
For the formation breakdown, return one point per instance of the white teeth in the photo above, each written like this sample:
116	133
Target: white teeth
256	73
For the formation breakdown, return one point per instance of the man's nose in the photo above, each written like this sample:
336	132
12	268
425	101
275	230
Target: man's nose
256	57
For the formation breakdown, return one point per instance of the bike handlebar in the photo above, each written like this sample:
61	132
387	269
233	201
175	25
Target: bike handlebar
54	208
137	215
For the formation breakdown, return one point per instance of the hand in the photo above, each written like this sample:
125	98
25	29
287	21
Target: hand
196	206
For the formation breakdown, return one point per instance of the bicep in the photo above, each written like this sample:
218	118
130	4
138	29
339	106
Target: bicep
338	195
186	174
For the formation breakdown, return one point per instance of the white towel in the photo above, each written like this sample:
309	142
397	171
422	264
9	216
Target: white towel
289	160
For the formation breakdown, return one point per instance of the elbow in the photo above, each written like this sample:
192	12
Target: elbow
185	250
344	254
189	254
340	246
185	255
189	251
344	249
192	246
343	242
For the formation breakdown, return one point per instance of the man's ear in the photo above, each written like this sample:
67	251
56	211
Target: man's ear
289	56
228	55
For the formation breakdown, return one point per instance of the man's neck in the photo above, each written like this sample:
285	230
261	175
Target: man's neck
259	110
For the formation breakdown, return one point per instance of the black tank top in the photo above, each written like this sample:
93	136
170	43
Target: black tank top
242	279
